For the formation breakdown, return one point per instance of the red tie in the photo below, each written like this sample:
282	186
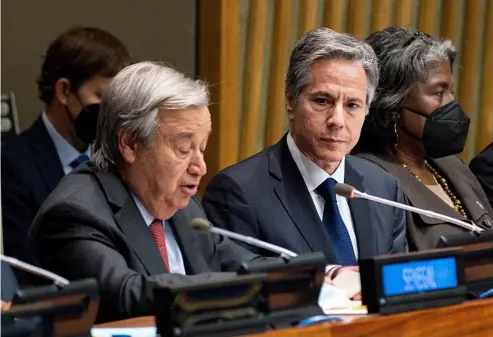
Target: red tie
157	232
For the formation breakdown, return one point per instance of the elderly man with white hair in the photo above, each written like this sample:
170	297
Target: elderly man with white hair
124	217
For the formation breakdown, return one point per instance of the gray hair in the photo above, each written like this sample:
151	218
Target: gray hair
405	56
131	104
324	43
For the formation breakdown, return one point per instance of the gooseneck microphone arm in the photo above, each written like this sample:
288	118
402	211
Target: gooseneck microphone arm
349	192
35	270
206	226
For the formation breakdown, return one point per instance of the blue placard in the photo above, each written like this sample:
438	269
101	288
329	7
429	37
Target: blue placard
414	277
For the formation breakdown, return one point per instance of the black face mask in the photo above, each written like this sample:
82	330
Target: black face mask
87	122
445	131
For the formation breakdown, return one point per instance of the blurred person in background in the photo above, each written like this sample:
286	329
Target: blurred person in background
416	128
482	167
76	69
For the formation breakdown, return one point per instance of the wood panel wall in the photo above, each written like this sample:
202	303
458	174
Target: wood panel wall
217	63
273	26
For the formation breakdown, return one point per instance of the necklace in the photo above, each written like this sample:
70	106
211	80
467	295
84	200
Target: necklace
443	183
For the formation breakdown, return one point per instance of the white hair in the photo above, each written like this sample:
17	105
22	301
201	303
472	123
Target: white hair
131	104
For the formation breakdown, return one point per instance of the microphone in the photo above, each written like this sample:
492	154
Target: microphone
349	192
204	225
59	281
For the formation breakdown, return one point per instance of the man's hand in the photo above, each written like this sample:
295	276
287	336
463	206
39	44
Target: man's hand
332	274
5	306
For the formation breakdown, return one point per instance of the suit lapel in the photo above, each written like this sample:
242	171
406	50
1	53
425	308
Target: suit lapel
296	199
130	221
186	239
45	155
416	192
461	188
420	196
361	213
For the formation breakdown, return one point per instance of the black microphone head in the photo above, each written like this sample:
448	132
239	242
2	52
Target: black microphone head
345	190
200	224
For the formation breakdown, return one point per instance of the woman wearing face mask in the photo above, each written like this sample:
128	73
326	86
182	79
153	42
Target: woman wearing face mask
414	129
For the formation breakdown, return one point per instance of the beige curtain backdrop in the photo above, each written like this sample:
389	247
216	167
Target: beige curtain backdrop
246	44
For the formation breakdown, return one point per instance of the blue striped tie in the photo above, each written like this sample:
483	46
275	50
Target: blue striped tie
79	160
332	220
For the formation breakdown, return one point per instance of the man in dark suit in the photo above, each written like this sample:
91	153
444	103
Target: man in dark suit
77	67
482	167
285	194
124	217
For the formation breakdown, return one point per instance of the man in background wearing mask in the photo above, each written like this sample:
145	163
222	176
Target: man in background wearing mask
77	67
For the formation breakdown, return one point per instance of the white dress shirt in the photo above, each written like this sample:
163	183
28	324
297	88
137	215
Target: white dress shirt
66	152
313	176
175	258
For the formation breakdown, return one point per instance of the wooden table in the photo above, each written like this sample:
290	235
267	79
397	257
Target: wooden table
471	319
136	322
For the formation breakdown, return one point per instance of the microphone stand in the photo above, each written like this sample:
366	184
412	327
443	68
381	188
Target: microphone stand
285	253
57	279
431	214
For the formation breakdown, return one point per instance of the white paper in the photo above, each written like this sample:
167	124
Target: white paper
351	311
334	301
332	297
349	281
133	332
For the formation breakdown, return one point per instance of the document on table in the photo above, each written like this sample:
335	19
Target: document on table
124	332
334	301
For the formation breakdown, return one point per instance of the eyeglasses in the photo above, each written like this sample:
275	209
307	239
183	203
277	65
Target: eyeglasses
423	36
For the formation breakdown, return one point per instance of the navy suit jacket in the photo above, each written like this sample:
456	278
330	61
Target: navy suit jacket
266	197
31	169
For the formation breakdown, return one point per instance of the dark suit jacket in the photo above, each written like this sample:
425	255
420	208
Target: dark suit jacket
266	197
482	167
90	227
424	232
31	169
9	283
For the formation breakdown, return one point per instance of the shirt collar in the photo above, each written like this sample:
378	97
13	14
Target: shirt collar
312	174
148	218
64	149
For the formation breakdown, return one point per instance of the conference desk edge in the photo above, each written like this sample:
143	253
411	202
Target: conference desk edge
471	318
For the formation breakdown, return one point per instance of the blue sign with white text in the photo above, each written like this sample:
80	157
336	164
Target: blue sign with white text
414	277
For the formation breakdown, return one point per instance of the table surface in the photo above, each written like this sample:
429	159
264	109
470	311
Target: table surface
136	322
473	318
